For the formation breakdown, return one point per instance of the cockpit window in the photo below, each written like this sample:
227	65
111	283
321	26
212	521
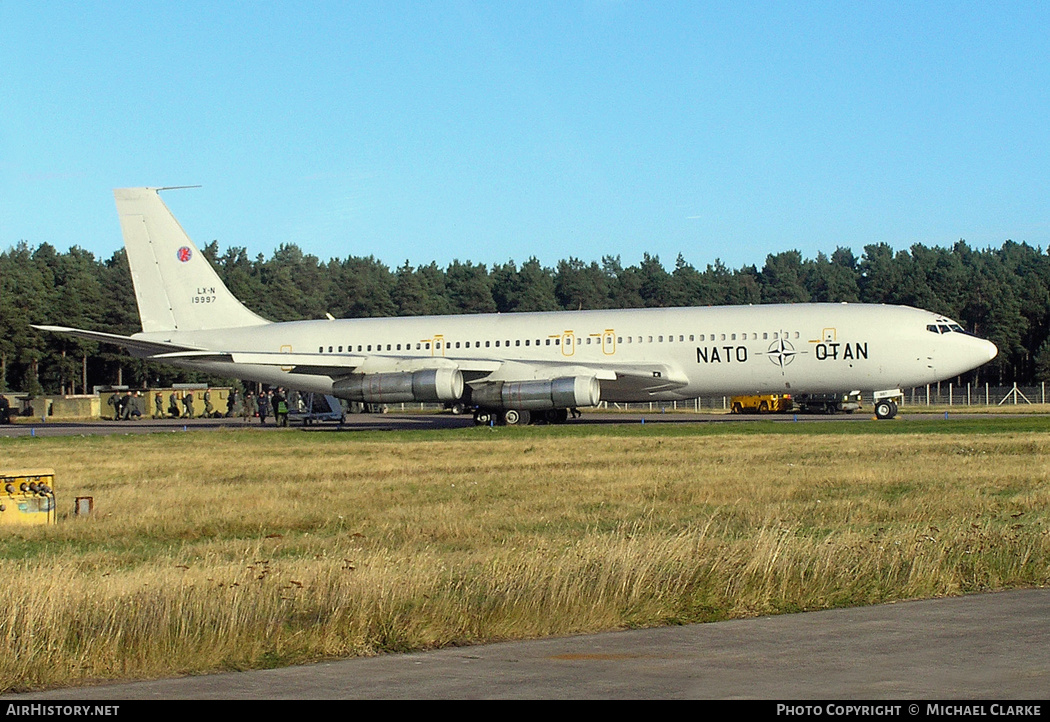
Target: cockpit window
945	326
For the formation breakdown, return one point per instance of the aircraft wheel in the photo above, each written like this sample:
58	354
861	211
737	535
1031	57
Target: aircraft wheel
482	418
514	417
885	409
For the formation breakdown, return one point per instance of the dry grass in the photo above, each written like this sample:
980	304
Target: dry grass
230	550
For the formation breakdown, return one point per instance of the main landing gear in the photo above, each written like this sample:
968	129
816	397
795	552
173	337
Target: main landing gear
520	417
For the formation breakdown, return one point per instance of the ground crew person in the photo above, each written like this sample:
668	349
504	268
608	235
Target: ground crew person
248	410
208	408
187	404
114	401
280	408
264	406
158	405
5	410
173	405
135	403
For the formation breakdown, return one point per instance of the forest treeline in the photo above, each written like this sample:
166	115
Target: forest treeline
1002	294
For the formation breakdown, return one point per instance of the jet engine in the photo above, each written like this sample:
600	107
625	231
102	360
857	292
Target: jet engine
442	384
560	393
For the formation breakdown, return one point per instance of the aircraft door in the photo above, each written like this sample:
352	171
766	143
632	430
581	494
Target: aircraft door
568	343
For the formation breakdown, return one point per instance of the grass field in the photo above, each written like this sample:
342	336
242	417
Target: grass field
238	549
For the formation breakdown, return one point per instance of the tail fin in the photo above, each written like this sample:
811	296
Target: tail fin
175	286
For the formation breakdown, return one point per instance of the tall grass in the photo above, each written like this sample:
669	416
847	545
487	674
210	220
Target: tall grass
233	550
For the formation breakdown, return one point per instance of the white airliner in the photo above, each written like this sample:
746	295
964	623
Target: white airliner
513	368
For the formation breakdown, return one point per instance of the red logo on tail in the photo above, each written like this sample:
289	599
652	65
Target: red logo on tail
184	254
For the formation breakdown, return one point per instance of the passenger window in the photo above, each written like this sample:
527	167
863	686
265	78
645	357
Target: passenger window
320	349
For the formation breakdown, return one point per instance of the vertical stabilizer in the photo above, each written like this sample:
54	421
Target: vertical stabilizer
175	286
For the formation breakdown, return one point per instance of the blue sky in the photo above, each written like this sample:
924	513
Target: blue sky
491	131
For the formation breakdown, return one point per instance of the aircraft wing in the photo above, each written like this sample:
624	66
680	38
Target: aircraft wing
648	378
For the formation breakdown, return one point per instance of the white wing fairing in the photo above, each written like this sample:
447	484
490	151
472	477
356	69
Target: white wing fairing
512	365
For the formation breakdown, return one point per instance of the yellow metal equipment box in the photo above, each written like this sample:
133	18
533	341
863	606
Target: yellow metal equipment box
27	497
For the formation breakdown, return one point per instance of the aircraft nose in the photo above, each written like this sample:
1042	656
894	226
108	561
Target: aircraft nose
991	349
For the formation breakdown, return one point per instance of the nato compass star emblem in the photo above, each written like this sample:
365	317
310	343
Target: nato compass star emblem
781	353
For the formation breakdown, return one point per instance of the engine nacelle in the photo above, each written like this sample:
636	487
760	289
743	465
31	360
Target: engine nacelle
562	393
443	384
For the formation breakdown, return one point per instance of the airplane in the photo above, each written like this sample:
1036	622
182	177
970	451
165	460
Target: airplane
518	368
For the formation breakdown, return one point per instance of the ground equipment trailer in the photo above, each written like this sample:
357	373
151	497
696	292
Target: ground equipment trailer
828	403
760	404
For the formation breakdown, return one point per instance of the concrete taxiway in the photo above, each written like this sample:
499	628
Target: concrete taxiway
982	646
421	421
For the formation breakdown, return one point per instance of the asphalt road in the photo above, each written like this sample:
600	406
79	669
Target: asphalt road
992	646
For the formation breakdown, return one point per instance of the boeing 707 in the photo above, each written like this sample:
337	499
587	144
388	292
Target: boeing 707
520	367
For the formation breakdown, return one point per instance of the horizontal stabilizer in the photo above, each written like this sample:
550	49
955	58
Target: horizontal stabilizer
142	346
